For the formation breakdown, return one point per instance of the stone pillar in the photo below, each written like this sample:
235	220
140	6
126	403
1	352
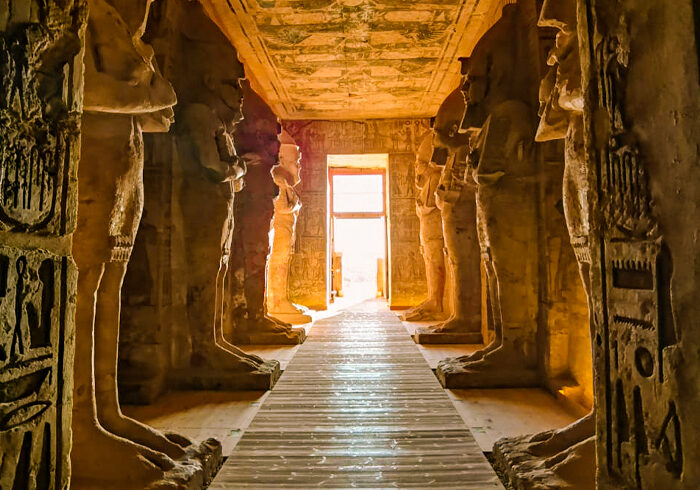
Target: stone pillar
257	141
641	126
432	241
456	199
283	234
209	174
40	105
125	95
500	114
565	457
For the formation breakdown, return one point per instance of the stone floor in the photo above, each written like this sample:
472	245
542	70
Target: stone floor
490	414
357	407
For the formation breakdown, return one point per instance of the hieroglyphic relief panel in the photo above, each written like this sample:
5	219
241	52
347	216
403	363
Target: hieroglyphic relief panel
399	138
40	104
345	59
642	308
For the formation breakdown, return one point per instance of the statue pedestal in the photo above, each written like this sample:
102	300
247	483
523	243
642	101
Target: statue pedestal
206	378
292	318
426	335
457	374
208	455
291	336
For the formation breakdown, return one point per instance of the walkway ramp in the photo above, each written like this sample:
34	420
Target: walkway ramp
357	407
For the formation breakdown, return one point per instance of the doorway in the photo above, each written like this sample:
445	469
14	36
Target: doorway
358	231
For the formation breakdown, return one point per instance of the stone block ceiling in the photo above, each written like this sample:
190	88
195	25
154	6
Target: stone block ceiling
353	59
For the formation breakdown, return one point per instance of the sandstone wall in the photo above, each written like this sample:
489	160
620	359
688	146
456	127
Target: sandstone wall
317	139
40	105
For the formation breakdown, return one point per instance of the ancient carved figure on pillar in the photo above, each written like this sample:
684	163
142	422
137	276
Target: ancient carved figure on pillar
454	197
564	457
500	115
286	176
257	140
125	95
432	241
211	173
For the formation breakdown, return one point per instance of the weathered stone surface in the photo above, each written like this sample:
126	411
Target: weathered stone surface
500	103
566	457
318	139
283	235
432	242
640	80
125	95
455	198
40	105
257	141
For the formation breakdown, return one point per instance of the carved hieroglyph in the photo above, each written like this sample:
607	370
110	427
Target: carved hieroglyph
125	95
565	457
283	234
40	104
641	89
500	114
432	241
257	141
210	173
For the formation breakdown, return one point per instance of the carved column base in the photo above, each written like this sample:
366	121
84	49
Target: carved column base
456	374
264	378
573	468
427	335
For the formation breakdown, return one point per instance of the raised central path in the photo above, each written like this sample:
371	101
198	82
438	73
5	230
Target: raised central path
357	407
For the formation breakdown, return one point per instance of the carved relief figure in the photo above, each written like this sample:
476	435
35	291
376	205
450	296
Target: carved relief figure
566	456
211	173
257	140
40	104
125	95
500	110
286	176
455	198
427	179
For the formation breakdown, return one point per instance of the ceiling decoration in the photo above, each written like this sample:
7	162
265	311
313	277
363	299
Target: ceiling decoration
353	59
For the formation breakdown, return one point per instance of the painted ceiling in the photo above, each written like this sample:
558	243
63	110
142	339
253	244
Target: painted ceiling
353	59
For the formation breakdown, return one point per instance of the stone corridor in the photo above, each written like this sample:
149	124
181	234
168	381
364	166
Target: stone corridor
357	407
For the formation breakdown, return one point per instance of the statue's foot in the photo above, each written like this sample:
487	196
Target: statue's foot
550	443
457	325
571	468
238	352
424	311
120	425
103	460
500	368
219	359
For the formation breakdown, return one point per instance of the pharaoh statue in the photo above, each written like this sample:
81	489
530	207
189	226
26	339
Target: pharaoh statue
257	141
125	95
210	175
432	242
455	199
283	234
565	456
500	116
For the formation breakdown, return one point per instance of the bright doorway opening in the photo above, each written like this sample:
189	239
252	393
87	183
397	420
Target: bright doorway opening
358	226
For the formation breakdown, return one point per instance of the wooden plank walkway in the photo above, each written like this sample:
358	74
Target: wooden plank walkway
357	407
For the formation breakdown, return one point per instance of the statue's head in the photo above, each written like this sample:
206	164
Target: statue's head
210	72
289	167
446	126
502	66
560	90
260	129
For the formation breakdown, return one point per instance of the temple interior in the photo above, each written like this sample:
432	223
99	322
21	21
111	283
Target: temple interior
349	244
